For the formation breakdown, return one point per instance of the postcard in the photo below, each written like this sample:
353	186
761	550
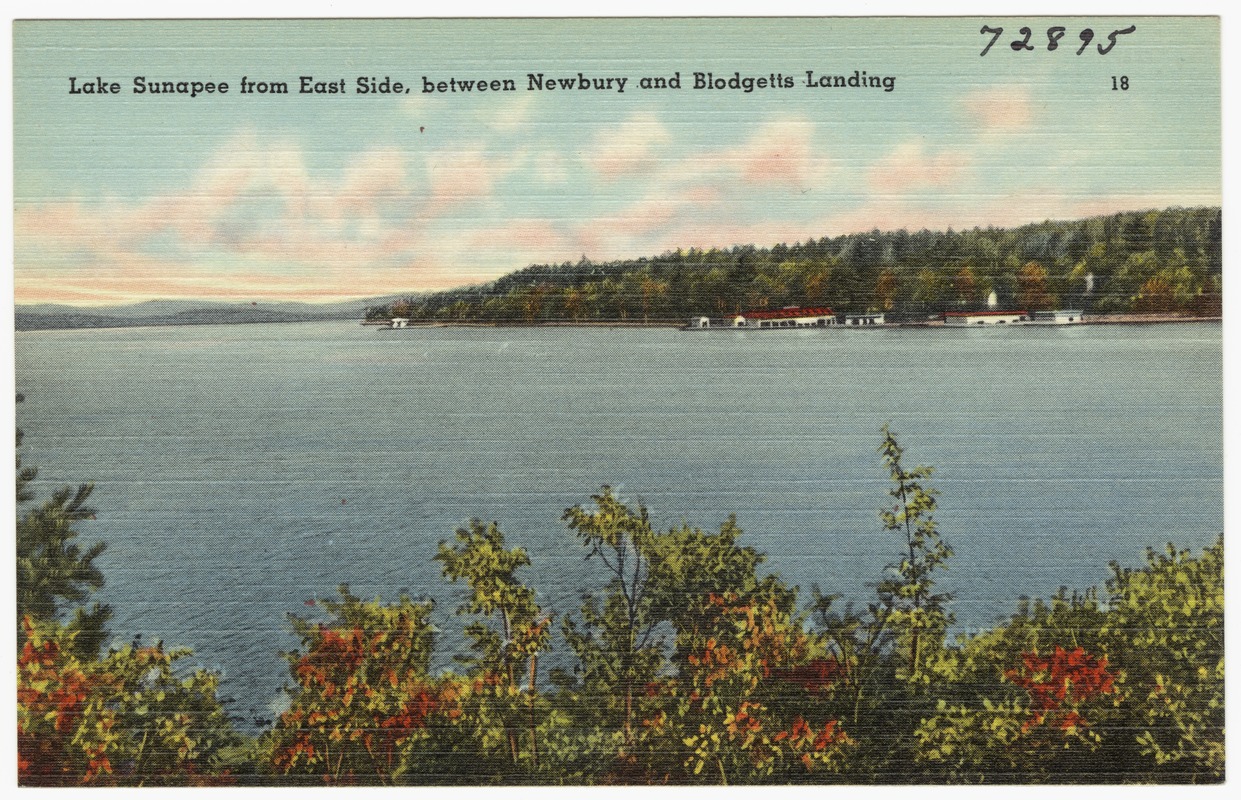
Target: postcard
648	401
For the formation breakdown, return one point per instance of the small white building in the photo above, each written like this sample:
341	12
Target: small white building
985	317
399	322
787	317
1061	317
863	319
700	322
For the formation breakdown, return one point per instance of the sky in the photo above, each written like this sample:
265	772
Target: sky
247	197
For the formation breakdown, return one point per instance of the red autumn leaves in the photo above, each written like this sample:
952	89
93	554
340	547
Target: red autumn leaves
1059	684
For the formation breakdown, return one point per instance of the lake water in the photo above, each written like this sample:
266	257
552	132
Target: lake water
242	470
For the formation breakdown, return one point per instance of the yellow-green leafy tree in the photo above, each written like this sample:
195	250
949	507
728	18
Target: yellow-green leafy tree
502	714
363	704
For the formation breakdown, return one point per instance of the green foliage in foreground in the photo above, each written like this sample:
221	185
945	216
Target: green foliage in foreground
688	666
54	573
1130	688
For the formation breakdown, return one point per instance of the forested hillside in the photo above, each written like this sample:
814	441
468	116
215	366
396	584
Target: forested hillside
1137	262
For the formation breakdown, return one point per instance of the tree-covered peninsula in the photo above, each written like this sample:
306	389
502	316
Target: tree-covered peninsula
1145	262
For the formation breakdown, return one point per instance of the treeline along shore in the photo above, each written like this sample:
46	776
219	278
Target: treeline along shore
1159	264
684	663
1138	266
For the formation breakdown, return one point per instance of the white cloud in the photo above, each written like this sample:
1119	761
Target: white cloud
911	168
783	153
1002	109
628	149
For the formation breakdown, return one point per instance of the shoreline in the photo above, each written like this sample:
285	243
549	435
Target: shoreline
113	324
1101	319
1143	319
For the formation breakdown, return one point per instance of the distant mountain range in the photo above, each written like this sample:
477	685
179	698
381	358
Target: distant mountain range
48	316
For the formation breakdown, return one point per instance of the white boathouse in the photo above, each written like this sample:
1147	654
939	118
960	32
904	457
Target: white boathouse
852	320
1061	317
985	317
787	317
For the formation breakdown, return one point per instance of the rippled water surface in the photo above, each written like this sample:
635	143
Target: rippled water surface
242	470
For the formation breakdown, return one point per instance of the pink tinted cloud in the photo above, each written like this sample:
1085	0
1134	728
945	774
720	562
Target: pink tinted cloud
633	227
373	178
628	149
911	168
1004	109
783	153
464	176
61	227
242	172
722	233
526	237
244	168
693	200
364	231
1130	202
154	279
648	214
344	234
961	211
893	213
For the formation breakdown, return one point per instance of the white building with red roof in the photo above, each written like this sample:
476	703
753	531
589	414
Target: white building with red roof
787	317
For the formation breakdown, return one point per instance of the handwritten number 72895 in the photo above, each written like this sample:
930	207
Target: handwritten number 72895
1054	35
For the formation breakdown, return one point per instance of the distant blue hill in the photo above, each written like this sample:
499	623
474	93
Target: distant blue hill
47	316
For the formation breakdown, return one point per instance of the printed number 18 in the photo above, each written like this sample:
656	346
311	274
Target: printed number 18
1121	83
